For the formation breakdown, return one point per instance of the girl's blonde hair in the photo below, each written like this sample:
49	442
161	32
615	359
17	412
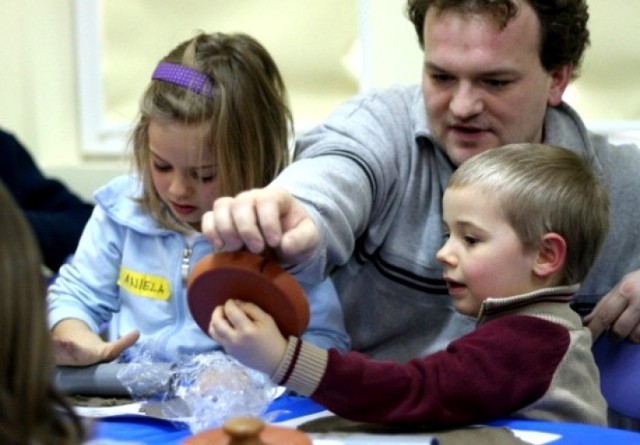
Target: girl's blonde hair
248	119
31	410
542	189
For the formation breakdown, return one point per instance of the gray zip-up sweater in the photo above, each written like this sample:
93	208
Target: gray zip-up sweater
373	181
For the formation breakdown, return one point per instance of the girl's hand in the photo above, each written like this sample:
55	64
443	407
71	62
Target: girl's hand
74	344
248	334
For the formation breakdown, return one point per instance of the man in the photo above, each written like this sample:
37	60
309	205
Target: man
362	202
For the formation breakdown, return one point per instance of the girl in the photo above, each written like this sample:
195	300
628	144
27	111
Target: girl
214	121
31	411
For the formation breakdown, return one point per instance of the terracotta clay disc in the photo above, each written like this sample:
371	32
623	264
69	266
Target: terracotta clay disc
249	431
246	276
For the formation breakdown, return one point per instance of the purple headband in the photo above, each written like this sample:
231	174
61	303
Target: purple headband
184	77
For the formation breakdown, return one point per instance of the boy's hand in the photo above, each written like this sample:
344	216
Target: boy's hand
248	334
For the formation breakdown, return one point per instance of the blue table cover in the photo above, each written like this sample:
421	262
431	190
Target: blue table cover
152	431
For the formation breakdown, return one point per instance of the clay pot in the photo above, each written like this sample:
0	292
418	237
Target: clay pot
249	431
246	276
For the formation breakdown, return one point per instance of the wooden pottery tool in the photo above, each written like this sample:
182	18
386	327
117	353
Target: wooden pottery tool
249	431
243	275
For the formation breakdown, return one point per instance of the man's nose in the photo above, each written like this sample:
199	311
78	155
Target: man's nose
466	101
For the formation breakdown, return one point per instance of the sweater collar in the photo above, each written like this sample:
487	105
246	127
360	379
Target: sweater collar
493	307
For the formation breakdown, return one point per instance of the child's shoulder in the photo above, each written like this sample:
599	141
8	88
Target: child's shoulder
128	186
120	199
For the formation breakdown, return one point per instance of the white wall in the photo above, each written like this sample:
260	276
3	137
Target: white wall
37	87
39	79
38	91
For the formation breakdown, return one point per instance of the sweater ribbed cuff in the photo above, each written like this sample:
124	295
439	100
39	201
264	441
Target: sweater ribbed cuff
302	367
285	364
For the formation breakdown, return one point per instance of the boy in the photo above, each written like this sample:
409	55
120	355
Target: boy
523	224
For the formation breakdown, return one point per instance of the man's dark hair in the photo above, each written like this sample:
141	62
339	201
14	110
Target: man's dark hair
564	35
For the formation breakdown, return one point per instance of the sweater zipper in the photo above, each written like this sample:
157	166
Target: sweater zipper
180	314
184	268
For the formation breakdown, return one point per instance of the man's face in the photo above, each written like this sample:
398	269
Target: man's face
484	87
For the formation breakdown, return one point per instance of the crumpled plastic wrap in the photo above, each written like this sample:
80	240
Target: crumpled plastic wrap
202	391
146	376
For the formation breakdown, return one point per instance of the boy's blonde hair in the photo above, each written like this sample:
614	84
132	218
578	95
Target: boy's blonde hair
248	120
543	189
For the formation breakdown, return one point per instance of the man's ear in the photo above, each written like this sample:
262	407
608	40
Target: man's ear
551	255
560	78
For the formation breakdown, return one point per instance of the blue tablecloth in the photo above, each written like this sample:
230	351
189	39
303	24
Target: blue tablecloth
152	431
148	430
574	433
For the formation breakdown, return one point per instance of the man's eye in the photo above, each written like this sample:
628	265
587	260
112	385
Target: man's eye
440	78
497	83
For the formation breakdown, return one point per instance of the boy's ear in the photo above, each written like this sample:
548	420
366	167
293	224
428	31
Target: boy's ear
551	255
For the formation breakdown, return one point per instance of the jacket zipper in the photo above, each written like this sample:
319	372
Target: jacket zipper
184	268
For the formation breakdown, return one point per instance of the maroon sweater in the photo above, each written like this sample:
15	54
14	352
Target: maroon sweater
529	357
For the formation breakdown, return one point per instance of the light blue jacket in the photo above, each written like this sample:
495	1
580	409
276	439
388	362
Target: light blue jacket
127	264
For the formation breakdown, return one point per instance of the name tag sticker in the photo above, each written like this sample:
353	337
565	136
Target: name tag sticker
144	285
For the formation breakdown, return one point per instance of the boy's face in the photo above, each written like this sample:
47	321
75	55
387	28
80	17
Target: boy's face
182	170
482	254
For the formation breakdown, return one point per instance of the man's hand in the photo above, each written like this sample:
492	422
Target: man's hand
618	311
261	218
74	344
